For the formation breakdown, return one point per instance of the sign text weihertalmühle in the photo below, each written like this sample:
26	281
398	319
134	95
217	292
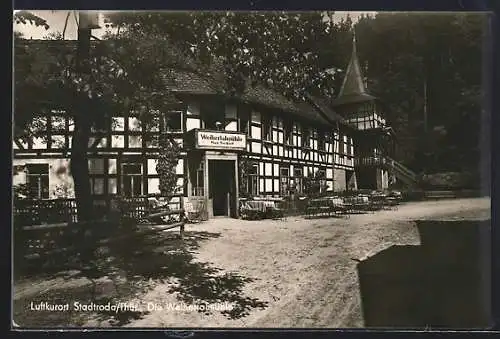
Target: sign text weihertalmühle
220	140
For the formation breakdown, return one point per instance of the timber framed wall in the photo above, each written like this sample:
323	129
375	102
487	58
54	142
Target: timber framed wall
283	149
122	156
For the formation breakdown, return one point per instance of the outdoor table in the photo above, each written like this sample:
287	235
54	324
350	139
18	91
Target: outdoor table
337	201
259	205
257	209
392	201
325	206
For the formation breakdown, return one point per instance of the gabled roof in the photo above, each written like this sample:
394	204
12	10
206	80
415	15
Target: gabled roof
192	82
353	88
354	98
323	105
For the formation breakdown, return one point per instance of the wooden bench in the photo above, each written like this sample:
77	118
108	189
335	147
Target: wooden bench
324	207
440	195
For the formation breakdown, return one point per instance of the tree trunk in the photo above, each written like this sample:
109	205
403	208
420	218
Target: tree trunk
80	166
81	135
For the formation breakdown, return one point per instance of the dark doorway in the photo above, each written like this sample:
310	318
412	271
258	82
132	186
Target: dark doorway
349	180
367	178
222	187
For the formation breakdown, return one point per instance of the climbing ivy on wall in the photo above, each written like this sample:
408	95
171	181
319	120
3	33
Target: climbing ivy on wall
166	165
244	166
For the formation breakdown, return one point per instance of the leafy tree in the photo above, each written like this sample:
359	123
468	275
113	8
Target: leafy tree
122	74
427	69
26	17
276	48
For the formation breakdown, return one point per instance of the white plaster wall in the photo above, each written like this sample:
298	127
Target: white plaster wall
192	123
232	126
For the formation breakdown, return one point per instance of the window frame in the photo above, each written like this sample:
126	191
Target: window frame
42	181
284	180
306	137
197	189
298	176
288	132
253	180
164	121
267	128
134	177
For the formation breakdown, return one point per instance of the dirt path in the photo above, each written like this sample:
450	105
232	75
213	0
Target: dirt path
304	268
293	273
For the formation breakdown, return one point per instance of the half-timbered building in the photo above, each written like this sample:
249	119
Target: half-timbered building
259	137
374	138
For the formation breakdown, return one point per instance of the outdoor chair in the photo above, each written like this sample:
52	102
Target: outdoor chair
312	209
325	208
361	204
390	202
192	214
376	201
348	204
276	212
249	213
338	206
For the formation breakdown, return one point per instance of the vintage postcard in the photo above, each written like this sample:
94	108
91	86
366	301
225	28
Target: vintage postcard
251	170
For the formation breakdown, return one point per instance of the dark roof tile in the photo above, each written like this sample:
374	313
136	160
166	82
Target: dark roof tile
192	82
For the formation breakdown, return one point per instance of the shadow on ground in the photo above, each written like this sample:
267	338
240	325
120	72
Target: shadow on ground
126	269
443	283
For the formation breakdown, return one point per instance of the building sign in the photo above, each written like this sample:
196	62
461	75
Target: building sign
220	140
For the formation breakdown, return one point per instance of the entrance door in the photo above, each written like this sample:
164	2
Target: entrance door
349	180
222	188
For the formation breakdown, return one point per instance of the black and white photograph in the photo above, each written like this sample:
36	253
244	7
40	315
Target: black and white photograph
251	169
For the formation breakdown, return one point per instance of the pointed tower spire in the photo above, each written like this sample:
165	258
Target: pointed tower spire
354	83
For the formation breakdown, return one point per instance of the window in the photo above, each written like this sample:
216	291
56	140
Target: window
284	181
267	123
321	141
342	149
58	123
132	179
253	180
245	122
171	121
306	136
198	185
288	128
118	124
134	123
298	176
212	113
350	147
97	186
38	181
322	180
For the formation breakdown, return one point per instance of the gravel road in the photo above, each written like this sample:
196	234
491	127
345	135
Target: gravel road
281	273
304	269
